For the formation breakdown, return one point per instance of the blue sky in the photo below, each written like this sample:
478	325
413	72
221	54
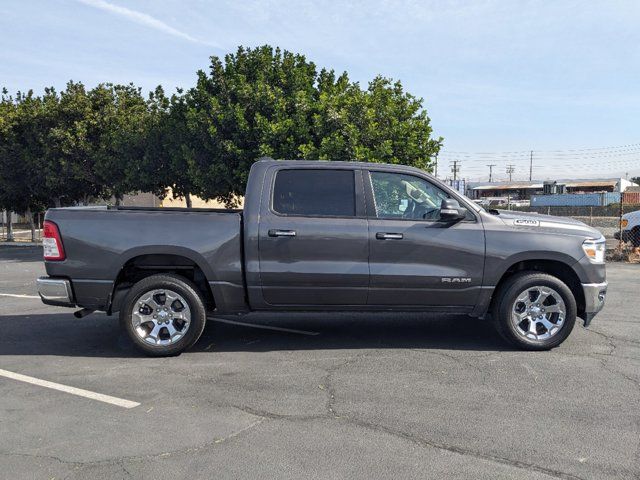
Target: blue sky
557	77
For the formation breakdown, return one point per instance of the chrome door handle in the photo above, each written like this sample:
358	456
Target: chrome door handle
282	233
389	236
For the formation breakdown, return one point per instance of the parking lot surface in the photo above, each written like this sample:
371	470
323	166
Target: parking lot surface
318	396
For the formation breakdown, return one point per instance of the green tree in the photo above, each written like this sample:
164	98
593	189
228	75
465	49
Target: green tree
168	160
265	102
117	131
70	154
22	178
66	148
7	119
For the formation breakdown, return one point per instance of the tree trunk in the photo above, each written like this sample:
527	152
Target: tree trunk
56	202
9	227
187	198
118	199
32	225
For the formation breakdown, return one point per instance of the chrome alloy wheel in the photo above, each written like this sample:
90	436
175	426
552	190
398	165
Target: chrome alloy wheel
161	317
538	313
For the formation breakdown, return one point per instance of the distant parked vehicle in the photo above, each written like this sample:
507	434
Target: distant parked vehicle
630	228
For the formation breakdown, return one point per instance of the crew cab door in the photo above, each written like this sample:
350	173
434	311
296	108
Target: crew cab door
313	237
416	259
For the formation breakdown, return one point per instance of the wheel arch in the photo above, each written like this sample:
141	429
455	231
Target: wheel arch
142	264
558	268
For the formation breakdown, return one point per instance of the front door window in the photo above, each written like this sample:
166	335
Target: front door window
400	196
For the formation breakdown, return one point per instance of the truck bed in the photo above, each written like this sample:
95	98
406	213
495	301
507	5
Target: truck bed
100	243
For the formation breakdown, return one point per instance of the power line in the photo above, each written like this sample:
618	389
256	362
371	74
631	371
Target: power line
573	165
619	147
539	154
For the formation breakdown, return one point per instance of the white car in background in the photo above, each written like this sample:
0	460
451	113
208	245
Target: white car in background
630	228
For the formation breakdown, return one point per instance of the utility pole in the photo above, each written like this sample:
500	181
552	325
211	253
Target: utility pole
491	171
510	170
455	168
436	170
531	166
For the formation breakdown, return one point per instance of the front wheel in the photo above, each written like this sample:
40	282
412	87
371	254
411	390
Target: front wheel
163	315
535	311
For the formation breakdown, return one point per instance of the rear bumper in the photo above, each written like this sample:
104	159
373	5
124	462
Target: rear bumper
55	291
594	298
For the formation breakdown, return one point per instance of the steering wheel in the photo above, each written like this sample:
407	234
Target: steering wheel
409	211
430	213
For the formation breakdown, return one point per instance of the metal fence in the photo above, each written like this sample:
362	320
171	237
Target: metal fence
20	228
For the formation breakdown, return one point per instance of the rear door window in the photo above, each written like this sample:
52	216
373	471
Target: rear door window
318	193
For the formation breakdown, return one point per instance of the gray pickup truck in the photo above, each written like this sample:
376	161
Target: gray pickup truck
319	236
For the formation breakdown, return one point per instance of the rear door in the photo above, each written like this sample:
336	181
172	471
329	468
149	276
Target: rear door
313	238
415	259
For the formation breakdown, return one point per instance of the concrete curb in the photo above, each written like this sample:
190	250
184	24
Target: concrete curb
4	244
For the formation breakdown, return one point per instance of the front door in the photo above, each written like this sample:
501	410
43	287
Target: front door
313	239
415	259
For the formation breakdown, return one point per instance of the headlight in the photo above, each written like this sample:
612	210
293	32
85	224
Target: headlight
594	249
624	222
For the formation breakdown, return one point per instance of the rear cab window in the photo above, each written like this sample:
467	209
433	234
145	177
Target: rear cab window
315	193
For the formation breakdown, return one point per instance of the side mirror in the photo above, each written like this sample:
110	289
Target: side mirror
451	211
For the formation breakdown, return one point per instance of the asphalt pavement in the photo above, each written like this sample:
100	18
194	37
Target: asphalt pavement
315	395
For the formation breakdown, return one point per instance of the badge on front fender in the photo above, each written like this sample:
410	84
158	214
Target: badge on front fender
526	222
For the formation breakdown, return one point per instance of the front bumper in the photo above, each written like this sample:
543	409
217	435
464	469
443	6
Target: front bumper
55	291
594	297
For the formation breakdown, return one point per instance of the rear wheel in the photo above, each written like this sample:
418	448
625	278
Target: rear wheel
163	315
535	311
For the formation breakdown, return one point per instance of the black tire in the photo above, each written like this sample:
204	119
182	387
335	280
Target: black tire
635	237
506	298
175	283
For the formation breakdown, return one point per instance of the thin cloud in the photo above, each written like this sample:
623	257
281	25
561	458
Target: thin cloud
143	19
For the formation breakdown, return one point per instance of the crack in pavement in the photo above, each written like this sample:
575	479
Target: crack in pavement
120	461
613	337
417	440
333	414
421	441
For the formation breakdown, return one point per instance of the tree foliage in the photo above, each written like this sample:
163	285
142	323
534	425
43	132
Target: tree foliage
265	102
66	147
21	153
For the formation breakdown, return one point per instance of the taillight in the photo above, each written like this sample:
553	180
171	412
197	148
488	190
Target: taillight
51	241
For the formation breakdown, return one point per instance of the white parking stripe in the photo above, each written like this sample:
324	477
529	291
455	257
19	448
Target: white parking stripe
15	295
264	327
73	390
